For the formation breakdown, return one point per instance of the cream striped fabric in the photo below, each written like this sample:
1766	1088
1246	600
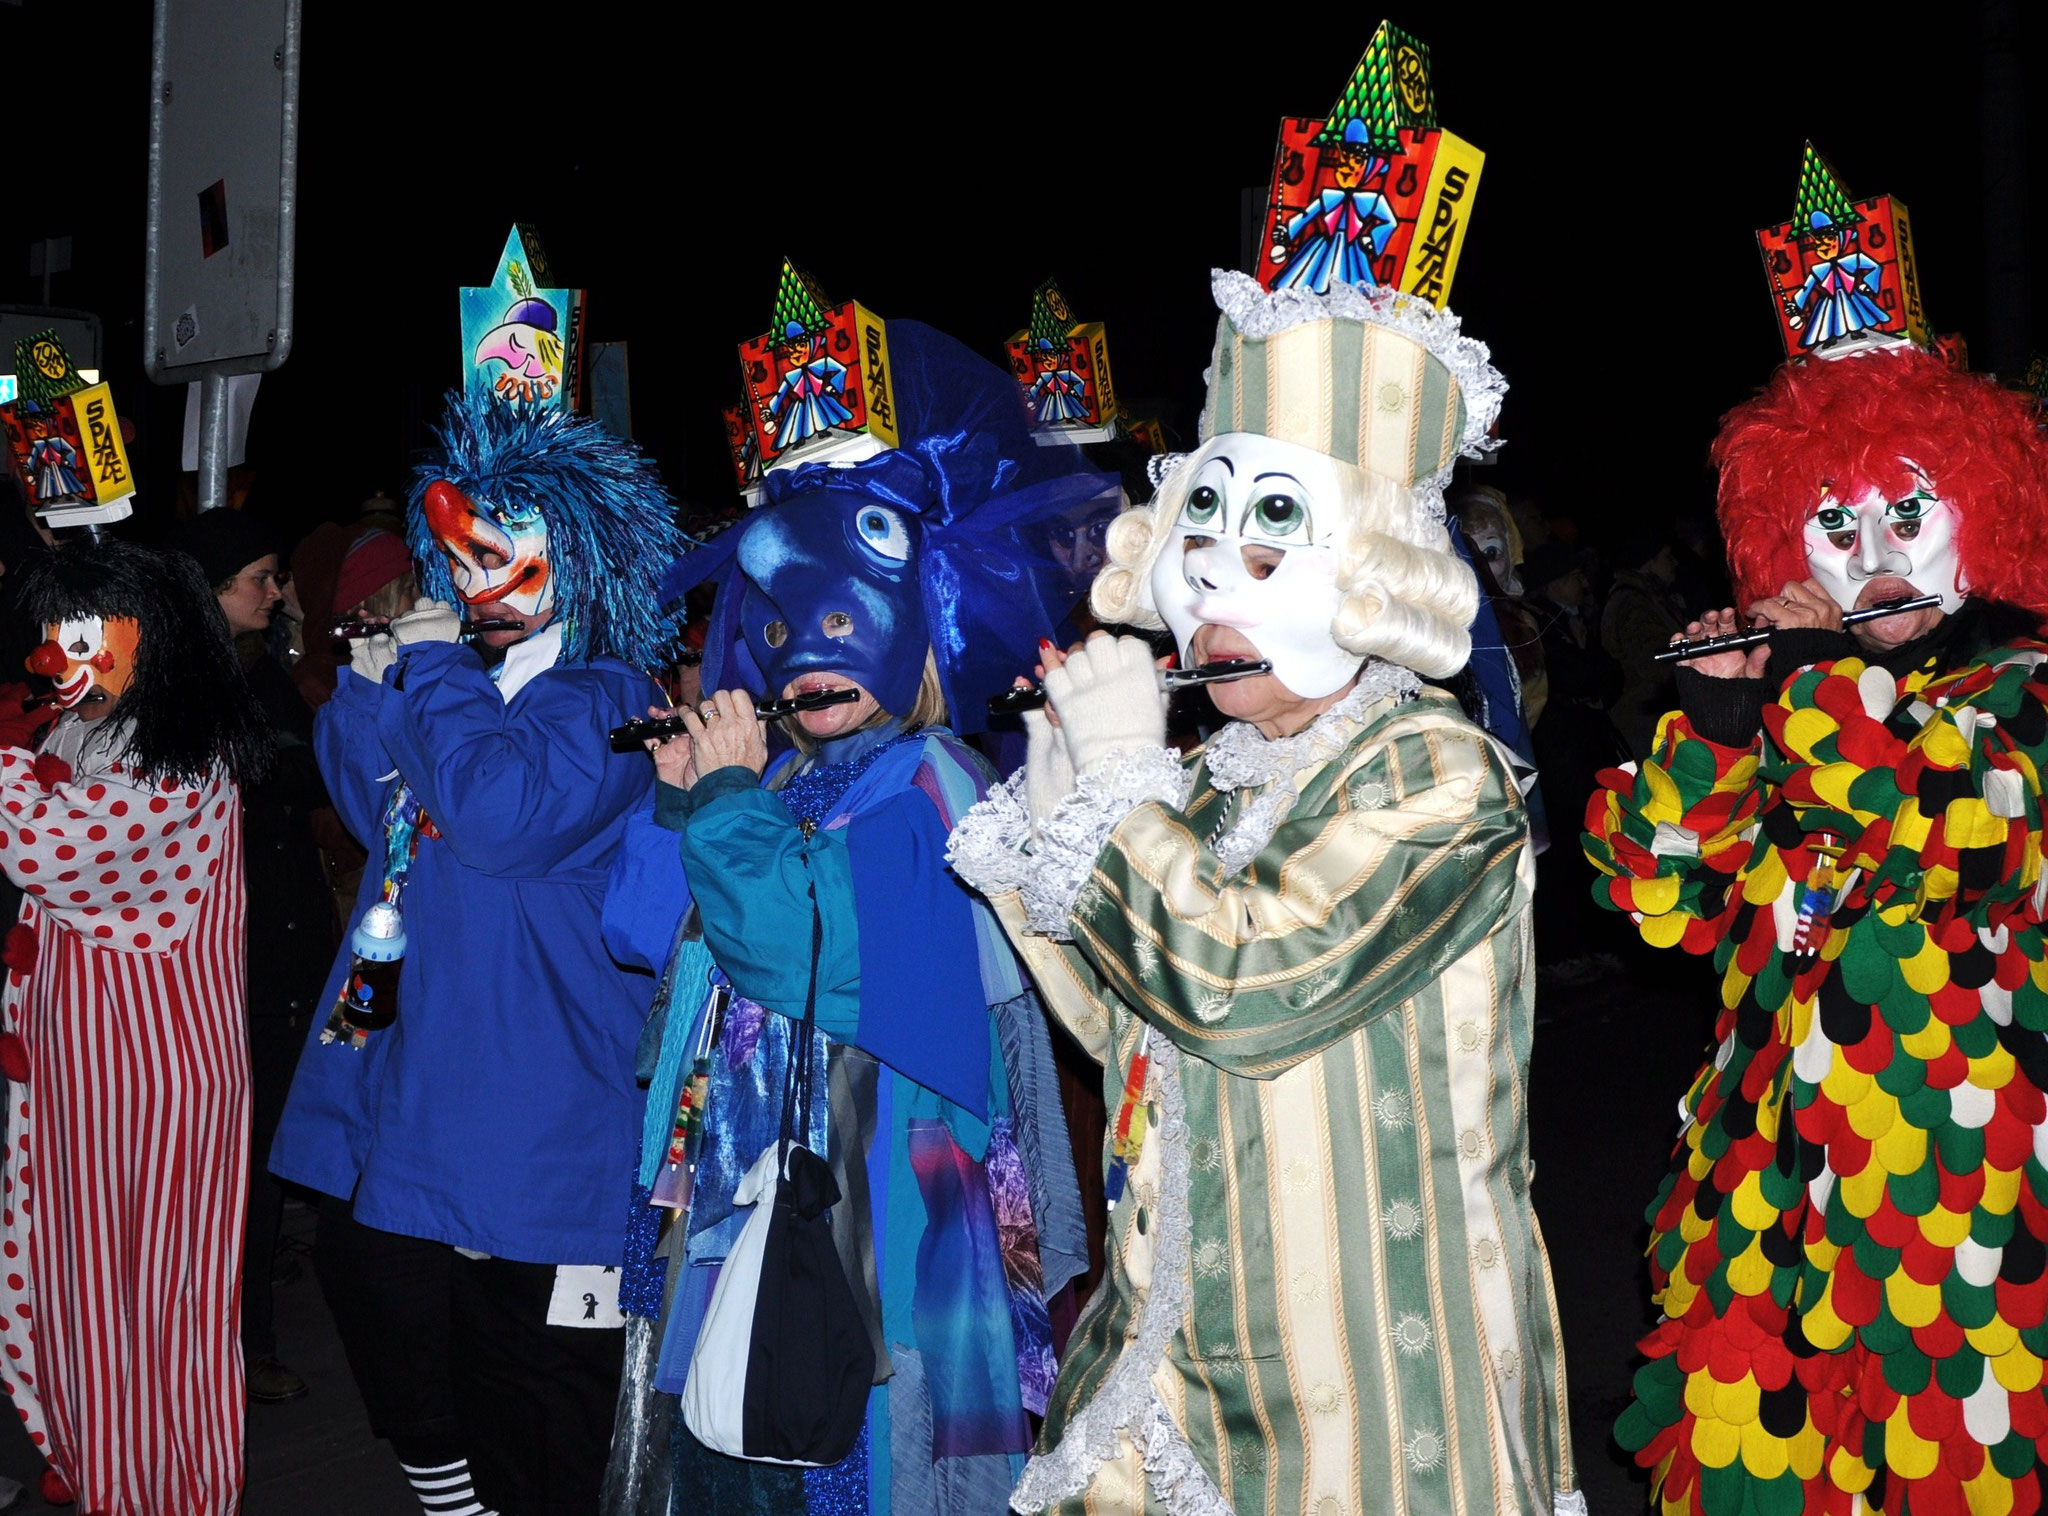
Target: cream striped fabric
1348	389
1370	1324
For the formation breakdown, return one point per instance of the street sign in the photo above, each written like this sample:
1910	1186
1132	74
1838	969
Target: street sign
223	169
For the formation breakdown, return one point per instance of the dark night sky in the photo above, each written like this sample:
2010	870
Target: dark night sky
940	174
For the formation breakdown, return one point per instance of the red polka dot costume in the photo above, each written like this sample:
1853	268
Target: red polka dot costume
123	1184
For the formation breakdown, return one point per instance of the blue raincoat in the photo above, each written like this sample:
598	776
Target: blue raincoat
499	1113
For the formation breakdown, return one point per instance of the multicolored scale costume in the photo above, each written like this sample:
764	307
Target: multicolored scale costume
1848	1251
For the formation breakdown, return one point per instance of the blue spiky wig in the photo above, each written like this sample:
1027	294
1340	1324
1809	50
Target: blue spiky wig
611	524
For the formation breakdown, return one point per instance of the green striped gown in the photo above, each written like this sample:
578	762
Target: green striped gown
1331	1207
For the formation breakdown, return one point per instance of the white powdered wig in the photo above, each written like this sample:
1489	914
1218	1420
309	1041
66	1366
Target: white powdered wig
1408	597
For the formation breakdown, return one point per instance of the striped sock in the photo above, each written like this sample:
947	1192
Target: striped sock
445	1489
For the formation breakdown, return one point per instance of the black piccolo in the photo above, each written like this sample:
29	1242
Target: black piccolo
378	626
1730	641
1030	697
635	735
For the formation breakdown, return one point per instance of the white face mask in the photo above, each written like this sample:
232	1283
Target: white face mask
1883	549
1255	549
1493	549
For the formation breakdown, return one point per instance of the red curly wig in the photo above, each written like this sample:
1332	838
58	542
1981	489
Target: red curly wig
1849	424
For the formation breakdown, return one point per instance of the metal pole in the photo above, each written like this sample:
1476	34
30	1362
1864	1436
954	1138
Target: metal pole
2008	270
213	441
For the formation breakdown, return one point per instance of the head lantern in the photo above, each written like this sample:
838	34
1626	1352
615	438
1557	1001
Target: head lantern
546	512
1311	519
942	546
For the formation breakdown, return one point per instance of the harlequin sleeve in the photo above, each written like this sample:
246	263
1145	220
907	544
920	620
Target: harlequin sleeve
123	864
1668	834
1409	860
513	789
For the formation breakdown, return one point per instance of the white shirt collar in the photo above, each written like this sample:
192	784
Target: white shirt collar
536	655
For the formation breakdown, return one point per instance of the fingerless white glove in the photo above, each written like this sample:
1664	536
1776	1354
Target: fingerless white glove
1048	773
1109	699
427	621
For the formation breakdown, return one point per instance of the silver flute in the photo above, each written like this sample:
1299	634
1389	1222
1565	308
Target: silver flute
1730	641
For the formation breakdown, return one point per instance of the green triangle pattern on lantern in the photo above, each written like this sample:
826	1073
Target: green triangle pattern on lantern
1390	89
1051	317
1821	189
43	370
798	303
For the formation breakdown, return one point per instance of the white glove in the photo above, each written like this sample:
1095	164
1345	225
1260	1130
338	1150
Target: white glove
370	656
1109	699
427	621
1048	773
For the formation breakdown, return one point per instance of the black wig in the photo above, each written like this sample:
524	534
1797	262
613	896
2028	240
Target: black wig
191	711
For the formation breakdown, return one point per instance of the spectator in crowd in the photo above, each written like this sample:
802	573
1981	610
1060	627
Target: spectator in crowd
291	916
1644	608
1574	741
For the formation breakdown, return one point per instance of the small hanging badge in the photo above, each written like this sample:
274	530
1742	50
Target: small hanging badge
585	1295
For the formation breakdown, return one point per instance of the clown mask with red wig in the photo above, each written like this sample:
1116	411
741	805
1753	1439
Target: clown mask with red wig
1885	476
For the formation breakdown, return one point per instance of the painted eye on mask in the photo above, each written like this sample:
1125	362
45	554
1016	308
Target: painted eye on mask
1907	515
883	532
1202	507
1839	523
1279	516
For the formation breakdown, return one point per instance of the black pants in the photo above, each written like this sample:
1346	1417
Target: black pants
274	1043
457	1351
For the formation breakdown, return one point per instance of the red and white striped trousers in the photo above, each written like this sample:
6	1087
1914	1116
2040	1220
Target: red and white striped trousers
121	1201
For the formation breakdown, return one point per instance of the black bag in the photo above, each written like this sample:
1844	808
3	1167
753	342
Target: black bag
783	1363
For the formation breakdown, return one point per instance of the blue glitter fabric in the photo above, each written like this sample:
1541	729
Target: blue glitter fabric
642	1277
813	796
840	1489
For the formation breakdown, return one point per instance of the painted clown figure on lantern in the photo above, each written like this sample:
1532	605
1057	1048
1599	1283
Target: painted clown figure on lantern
123	1048
808	903
1848	1253
474	1142
1302	956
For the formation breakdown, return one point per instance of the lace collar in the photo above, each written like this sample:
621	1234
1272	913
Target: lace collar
1241	757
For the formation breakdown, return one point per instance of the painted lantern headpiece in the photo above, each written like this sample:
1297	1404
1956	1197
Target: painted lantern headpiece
946	544
1311	518
546	512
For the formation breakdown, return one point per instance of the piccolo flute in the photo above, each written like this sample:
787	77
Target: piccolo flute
1730	641
378	626
634	735
1030	697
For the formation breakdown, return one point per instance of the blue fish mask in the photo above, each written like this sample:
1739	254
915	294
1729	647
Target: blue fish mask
830	583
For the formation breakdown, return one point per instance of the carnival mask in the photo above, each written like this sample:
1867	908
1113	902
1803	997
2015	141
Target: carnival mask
1255	548
496	555
831	585
1881	548
85	652
1494	549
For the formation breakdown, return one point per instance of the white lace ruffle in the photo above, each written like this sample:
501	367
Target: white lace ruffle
1259	313
1568	1503
1159	465
1071	839
987	848
1241	757
1126	1402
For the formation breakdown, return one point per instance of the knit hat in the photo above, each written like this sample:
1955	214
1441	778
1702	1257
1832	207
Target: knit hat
373	560
224	542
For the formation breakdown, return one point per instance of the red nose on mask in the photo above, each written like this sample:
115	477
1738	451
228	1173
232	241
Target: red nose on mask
48	660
